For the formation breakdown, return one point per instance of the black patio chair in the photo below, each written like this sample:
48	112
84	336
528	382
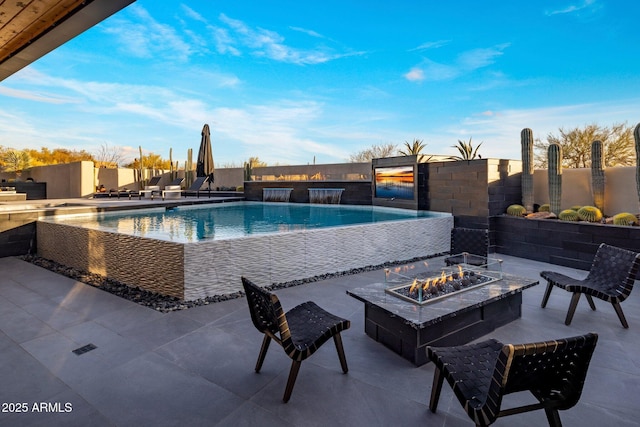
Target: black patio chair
468	246
300	331
481	374
610	278
197	185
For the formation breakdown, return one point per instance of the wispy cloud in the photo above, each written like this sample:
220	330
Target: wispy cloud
193	14
307	32
431	45
479	58
586	5
45	97
415	75
144	37
291	128
261	42
466	62
279	124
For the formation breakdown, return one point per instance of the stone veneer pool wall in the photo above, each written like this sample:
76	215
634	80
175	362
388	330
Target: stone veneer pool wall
196	270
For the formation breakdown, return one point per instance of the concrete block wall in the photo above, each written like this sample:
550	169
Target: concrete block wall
571	244
474	190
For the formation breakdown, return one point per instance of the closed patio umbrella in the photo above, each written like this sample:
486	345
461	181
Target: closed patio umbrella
204	167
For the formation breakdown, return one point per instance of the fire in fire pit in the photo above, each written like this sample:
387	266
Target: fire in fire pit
432	288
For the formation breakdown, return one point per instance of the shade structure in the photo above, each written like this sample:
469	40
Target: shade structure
204	166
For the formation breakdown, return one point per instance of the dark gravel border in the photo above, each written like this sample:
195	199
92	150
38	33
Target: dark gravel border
166	304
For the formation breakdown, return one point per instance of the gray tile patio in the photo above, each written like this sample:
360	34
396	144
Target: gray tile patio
195	367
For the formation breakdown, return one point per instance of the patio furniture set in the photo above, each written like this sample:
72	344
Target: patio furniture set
480	374
174	188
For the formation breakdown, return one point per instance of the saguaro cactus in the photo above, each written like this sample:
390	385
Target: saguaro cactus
248	171
597	174
636	136
189	169
171	171
141	182
554	157
526	142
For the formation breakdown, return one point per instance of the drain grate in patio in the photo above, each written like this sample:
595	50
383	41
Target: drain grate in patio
84	349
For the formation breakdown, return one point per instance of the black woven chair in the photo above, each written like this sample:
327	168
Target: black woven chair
610	278
468	246
481	374
300	331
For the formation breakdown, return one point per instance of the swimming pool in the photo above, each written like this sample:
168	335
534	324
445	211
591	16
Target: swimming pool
233	220
194	252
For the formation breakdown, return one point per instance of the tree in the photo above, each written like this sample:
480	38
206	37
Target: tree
374	152
255	162
16	160
45	156
150	161
108	157
466	150
413	148
617	141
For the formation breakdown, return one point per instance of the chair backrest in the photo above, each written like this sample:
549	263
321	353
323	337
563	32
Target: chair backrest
154	180
266	311
198	183
614	269
177	181
471	240
552	370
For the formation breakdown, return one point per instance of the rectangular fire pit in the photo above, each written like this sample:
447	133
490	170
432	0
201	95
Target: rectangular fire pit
408	328
428	288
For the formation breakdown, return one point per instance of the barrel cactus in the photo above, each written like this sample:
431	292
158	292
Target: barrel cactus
526	141
568	215
625	218
516	210
575	207
590	213
597	174
544	208
554	153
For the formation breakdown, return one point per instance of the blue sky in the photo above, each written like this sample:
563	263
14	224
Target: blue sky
290	81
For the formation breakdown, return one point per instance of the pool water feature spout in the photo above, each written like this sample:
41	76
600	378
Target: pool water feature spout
276	194
325	195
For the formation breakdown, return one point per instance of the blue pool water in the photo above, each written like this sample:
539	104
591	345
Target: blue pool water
237	219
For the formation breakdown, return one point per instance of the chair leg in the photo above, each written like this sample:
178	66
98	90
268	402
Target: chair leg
293	374
263	351
590	301
572	308
546	295
343	360
438	380
618	309
553	417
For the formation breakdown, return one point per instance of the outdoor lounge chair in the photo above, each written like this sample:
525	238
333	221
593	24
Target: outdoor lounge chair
153	182
481	374
468	246
196	186
175	183
300	331
121	193
610	278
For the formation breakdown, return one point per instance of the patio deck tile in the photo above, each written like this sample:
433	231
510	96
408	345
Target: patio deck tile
196	367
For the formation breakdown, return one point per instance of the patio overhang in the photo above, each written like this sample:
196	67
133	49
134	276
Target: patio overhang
30	29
